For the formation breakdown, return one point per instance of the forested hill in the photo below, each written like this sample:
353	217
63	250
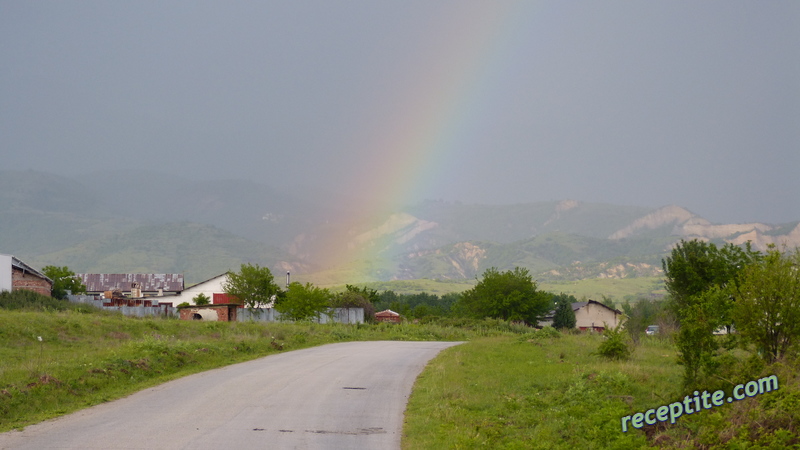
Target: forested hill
141	221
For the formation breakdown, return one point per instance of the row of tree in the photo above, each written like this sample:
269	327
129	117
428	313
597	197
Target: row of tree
510	295
721	289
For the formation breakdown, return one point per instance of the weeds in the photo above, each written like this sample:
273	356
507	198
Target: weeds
614	346
545	392
85	359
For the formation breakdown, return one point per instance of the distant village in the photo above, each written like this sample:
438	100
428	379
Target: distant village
153	294
164	294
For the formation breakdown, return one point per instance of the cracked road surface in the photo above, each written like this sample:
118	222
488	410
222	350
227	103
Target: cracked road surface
349	395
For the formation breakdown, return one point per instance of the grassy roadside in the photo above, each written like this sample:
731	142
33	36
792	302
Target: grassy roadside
539	392
86	357
546	392
506	387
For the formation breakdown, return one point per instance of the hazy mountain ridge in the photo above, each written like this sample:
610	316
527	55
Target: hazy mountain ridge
688	225
560	248
129	221
199	251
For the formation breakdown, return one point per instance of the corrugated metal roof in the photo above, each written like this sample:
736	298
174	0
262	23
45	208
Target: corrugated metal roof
149	282
16	262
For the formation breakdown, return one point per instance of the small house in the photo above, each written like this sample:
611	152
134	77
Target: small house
389	316
590	316
211	288
595	316
15	274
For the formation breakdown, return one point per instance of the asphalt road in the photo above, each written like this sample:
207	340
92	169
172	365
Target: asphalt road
339	396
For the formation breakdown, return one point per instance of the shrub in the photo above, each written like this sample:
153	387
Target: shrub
614	346
350	299
548	332
201	299
32	301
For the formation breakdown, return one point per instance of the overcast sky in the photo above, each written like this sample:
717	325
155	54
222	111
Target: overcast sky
634	103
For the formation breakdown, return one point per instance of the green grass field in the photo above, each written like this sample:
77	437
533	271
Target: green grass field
536	392
507	386
515	392
85	357
615	289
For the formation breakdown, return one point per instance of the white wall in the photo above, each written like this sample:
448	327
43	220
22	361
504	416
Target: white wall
6	283
208	287
595	315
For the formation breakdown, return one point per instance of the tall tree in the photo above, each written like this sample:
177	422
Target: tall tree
509	295
369	294
351	299
767	308
645	312
303	302
564	316
63	280
695	339
253	286
701	280
695	266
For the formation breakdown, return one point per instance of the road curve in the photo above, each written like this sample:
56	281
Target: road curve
338	396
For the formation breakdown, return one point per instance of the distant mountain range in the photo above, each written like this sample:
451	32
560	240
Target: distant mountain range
130	221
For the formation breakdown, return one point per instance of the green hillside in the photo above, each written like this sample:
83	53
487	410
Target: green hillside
198	251
558	256
140	221
40	213
509	223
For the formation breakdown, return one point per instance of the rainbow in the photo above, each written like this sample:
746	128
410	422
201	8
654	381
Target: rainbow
406	154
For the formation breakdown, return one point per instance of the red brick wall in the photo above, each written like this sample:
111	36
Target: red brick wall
222	314
387	318
225	313
187	313
20	280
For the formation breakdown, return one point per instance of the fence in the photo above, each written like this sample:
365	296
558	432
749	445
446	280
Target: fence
337	315
163	310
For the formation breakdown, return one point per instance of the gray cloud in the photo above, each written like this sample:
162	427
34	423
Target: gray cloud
646	103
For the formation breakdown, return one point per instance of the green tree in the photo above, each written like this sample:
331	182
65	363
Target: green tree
509	295
701	280
252	286
767	308
63	280
564	316
643	313
369	294
303	302
417	305
351	299
695	266
201	299
697	346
